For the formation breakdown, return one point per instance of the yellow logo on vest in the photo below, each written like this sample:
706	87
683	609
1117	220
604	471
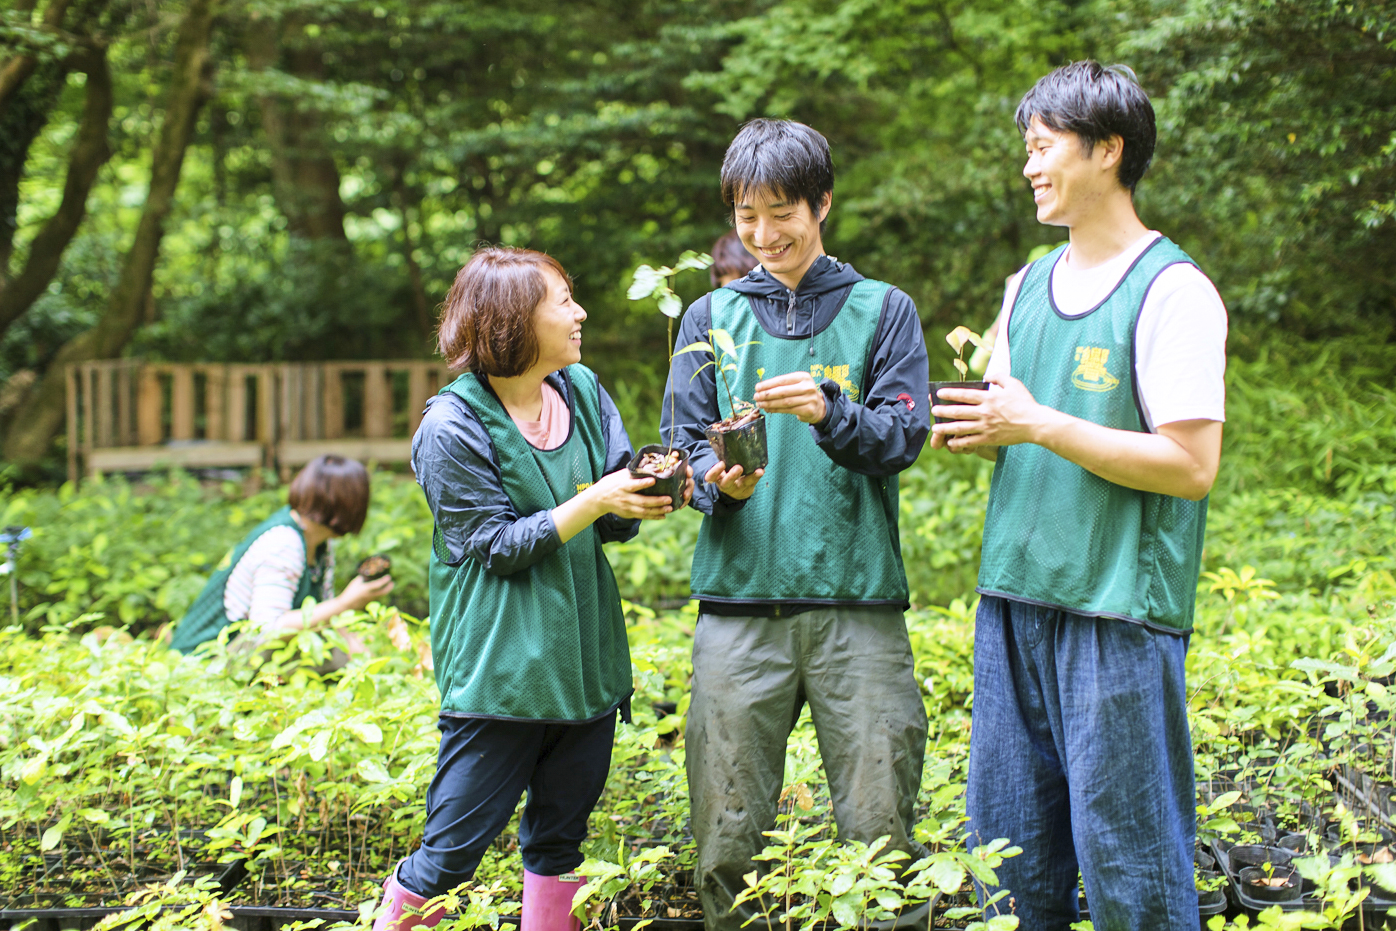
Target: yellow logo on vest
838	374
1090	374
584	486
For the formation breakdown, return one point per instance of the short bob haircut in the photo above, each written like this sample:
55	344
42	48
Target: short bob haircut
1094	102
730	258
782	158
333	491
487	318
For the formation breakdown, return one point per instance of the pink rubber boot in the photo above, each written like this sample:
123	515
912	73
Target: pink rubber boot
547	902
404	908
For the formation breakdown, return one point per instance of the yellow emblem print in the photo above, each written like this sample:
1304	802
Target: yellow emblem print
838	374
1090	374
583	486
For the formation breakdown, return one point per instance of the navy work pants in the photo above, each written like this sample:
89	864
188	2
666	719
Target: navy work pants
482	769
1079	754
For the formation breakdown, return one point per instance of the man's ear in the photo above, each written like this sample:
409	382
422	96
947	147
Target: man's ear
825	204
1112	152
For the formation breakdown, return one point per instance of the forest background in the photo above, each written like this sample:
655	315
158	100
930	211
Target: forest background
253	180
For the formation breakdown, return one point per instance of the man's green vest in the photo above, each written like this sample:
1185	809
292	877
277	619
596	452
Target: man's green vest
814	532
546	643
207	616
1055	534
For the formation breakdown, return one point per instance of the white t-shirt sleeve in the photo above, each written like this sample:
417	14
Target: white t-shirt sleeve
1180	349
998	362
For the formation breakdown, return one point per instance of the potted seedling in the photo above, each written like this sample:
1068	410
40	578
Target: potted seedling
740	438
374	567
1267	883
666	464
958	338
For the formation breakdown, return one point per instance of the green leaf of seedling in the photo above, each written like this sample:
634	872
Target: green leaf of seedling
693	260
235	792
670	305
368	733
699	346
644	282
1384	875
319	746
723	340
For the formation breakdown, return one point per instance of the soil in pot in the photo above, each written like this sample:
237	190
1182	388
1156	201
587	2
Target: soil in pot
668	468
1280	886
374	567
740	440
936	386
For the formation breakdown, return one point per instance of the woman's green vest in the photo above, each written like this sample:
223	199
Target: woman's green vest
1055	534
813	532
546	643
207	616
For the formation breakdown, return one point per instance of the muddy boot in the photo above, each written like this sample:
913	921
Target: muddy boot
547	903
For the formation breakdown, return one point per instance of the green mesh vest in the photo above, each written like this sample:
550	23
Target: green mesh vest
546	643
813	532
1055	534
207	616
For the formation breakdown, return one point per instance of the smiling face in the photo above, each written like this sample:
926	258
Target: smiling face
781	232
557	325
1070	184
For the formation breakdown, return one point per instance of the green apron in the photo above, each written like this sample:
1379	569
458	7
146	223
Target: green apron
1056	534
813	532
207	616
546	643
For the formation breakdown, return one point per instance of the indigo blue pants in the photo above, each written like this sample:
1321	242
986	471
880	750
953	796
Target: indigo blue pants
482	769
1080	754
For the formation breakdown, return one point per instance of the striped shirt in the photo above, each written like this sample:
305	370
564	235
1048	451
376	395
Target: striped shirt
263	584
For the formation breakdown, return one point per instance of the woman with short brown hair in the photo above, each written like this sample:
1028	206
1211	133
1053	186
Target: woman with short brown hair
286	560
523	462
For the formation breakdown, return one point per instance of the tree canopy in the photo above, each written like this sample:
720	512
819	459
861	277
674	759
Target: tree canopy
248	180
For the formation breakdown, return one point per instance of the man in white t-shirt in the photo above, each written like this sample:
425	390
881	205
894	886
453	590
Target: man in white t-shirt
1104	418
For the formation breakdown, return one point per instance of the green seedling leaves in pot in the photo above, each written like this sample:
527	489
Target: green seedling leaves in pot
958	338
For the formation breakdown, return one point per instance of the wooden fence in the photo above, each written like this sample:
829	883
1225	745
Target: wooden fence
127	415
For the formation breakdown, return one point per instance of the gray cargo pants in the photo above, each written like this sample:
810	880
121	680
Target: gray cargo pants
751	676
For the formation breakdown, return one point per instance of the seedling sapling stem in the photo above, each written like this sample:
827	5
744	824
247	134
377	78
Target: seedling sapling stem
648	282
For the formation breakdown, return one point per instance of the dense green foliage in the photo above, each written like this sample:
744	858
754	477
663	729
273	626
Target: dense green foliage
111	747
349	154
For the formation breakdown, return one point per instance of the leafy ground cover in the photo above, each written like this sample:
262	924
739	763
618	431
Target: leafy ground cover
135	776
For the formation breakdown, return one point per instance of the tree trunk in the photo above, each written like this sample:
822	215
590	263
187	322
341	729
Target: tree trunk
29	88
18	69
305	178
90	152
42	414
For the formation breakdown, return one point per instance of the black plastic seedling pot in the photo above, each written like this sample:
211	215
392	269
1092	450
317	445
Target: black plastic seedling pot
673	485
937	385
1253	883
743	446
374	567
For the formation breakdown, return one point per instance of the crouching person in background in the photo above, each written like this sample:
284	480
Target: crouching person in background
522	460
267	578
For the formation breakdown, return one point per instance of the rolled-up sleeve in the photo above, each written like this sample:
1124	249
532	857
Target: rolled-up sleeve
458	469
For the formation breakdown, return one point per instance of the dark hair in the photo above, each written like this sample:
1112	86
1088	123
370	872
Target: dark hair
1095	102
487	317
781	157
730	258
333	491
